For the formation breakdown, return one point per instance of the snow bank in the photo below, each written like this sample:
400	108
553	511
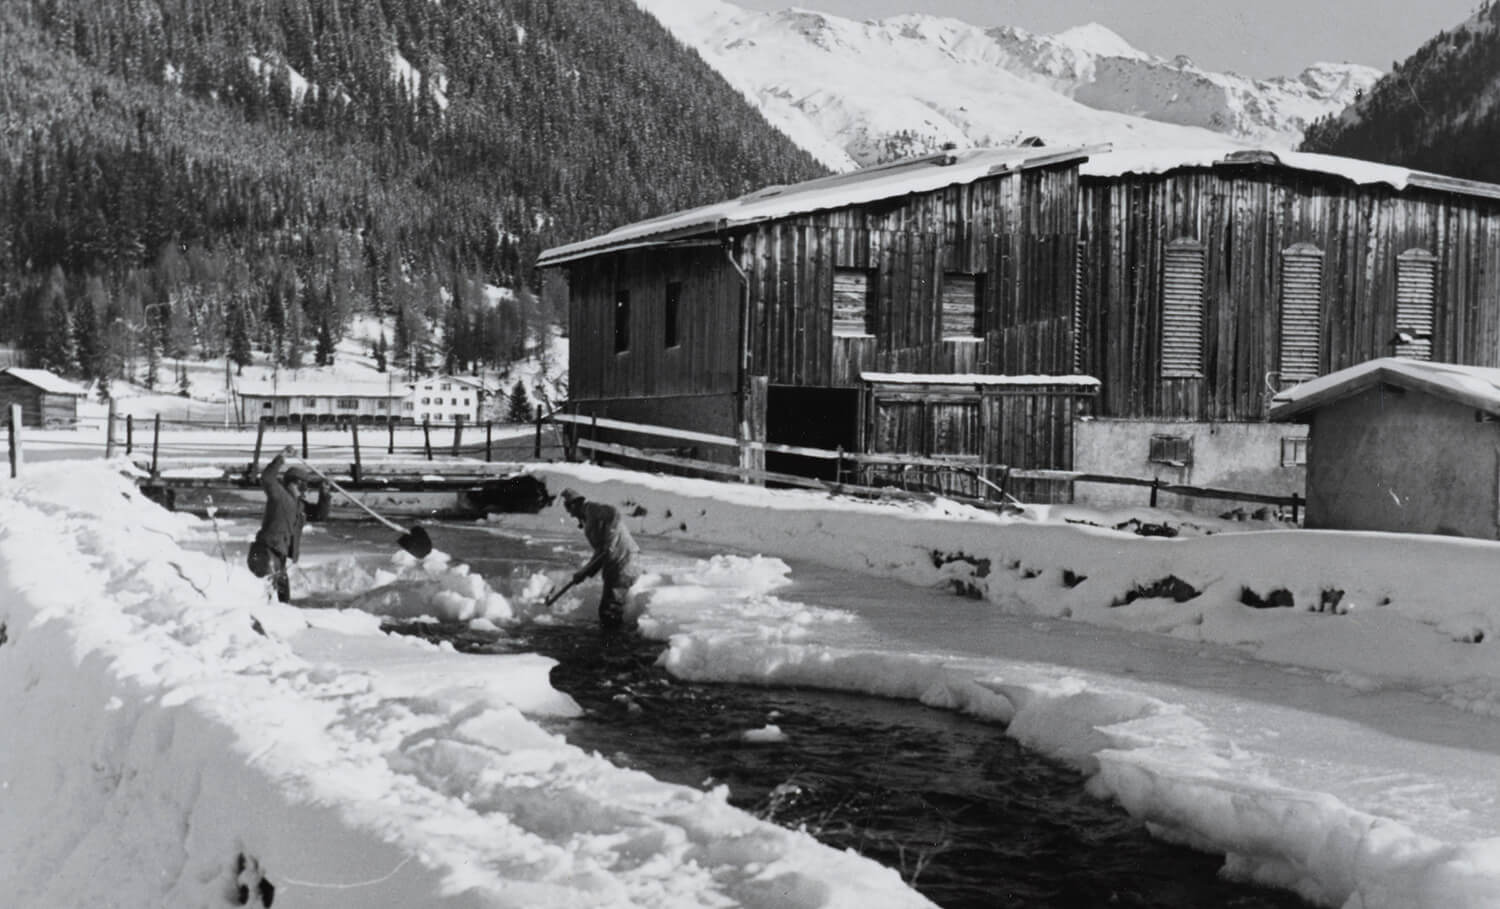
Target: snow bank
175	739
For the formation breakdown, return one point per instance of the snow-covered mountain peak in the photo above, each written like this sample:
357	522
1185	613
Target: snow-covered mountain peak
854	93
1099	41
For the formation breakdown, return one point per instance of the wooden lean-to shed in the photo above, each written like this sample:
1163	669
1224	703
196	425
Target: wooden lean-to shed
46	400
1210	280
1401	445
782	316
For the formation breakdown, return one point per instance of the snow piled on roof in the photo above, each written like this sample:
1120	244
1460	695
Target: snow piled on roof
1476	385
1160	160
330	387
915	175
45	380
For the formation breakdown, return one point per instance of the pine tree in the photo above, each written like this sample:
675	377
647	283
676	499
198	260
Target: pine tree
519	409
239	340
380	352
323	353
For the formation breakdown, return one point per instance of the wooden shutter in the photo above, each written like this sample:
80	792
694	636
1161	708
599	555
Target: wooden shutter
851	301
1079	251
960	306
1182	310
1301	309
1416	295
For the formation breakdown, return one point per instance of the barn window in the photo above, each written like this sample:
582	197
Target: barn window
622	321
851	301
1175	451
961	309
1301	305
1294	451
669	314
1182	310
1416	296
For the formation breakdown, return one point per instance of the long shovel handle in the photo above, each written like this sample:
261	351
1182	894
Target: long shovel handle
555	595
368	510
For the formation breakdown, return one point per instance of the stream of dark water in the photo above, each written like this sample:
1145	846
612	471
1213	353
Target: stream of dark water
960	810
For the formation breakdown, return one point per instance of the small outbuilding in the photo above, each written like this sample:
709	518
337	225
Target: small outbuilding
46	399
1401	445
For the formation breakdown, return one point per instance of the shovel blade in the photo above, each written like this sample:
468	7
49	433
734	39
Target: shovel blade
416	541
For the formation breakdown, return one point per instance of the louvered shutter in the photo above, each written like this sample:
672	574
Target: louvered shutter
1416	295
851	301
1301	308
1079	251
1182	310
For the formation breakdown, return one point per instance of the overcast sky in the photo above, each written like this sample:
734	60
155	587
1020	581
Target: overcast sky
1255	38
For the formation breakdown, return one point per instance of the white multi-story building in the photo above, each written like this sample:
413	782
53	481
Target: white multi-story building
443	399
323	401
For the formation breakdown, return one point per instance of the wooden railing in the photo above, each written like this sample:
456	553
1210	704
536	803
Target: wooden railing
860	465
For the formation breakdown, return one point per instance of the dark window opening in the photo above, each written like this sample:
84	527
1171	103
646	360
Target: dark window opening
669	315
1174	451
622	321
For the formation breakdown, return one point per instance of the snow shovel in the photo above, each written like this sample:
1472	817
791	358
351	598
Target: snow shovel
415	541
555	595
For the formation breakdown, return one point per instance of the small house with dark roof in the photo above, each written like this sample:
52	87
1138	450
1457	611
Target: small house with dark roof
1401	445
46	400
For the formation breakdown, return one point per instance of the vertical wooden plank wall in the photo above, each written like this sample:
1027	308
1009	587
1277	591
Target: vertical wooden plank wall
1245	217
908	244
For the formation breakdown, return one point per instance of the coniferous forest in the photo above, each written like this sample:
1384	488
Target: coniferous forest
1434	111
196	178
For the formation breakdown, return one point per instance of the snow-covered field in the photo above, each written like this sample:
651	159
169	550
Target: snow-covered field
1318	707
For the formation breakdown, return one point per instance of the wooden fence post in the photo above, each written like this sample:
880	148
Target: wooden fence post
109	431
15	440
1296	503
489	441
155	445
538	453
260	437
304	439
354	434
458	432
129	432
427	435
1155	485
594	437
390	428
838	467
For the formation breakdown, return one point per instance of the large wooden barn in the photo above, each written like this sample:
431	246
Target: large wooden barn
845	312
1210	281
1118	312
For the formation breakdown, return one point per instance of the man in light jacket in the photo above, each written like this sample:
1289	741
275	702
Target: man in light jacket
615	554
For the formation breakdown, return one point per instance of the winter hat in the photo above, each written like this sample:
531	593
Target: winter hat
569	496
297	474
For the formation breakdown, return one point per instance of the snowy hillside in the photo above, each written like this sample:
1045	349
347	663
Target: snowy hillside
853	93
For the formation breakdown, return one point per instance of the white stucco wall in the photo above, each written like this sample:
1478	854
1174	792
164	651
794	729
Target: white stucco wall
1244	457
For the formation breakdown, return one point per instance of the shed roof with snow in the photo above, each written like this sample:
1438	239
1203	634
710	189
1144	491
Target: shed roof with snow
48	382
1472	386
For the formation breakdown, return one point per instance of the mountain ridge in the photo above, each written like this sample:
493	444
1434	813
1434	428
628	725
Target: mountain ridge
844	90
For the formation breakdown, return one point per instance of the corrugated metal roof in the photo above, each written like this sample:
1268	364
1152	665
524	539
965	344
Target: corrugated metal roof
1162	160
46	381
870	184
1473	386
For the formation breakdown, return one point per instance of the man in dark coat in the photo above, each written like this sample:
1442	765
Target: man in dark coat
615	554
285	515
